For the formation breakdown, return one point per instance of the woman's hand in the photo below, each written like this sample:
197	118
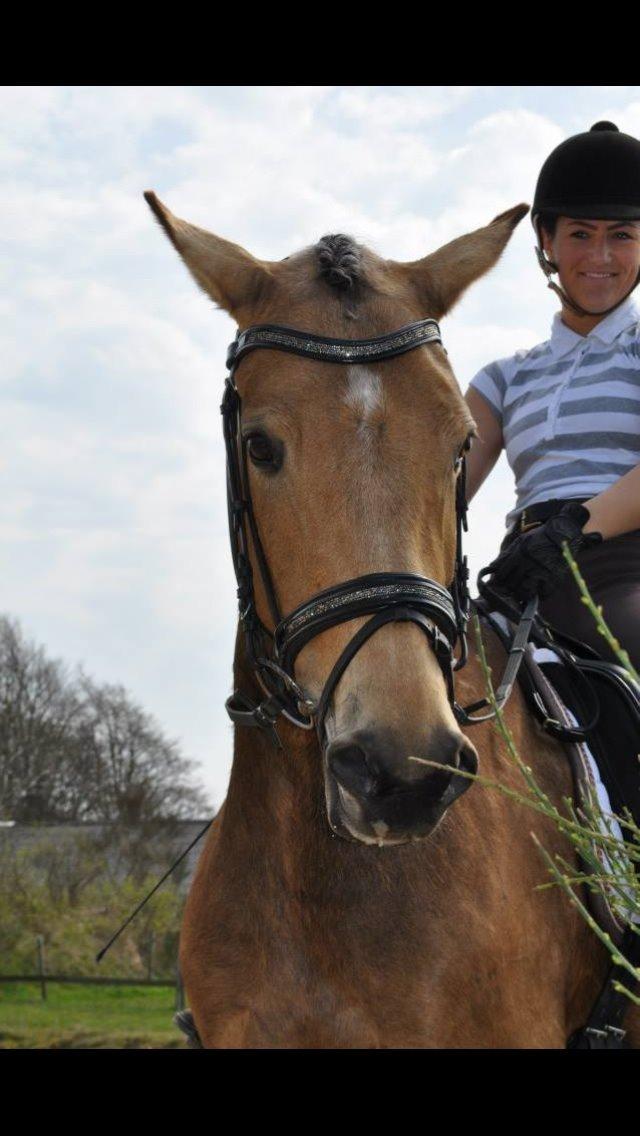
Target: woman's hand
534	563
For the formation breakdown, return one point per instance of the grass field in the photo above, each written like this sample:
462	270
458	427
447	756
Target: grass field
87	1017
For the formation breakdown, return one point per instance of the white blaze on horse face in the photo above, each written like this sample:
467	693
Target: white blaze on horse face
364	391
364	395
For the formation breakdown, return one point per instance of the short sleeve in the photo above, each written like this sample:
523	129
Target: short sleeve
491	383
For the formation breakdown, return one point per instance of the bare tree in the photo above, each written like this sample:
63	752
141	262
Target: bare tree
71	749
38	711
134	774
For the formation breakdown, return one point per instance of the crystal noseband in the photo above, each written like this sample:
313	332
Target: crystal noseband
362	596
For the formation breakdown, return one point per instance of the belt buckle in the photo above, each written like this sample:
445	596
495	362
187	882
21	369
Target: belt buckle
524	525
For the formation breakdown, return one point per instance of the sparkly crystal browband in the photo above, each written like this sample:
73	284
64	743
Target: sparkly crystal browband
334	350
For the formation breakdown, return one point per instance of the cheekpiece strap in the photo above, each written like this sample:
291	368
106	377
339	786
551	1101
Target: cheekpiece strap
333	350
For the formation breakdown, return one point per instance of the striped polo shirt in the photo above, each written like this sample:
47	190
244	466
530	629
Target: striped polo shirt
569	408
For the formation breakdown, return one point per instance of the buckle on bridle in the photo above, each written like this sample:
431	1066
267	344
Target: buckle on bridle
306	706
267	712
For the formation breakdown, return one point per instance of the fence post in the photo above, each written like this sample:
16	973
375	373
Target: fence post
179	990
152	943
43	981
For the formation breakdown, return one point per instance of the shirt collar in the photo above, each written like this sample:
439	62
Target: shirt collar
563	339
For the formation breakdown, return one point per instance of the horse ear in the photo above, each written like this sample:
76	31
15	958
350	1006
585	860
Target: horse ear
443	276
226	272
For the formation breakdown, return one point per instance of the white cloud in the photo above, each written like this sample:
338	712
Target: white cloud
403	109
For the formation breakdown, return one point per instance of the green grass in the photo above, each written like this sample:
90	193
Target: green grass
87	1017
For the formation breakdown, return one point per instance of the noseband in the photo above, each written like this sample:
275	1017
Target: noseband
442	613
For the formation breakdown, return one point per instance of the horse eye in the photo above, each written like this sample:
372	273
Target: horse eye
263	451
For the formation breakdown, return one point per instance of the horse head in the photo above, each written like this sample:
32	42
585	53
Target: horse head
352	471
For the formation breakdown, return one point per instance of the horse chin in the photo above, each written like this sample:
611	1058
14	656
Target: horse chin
348	819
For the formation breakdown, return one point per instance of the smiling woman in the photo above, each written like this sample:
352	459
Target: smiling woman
588	195
567	411
599	260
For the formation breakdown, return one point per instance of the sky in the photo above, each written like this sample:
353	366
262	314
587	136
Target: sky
113	523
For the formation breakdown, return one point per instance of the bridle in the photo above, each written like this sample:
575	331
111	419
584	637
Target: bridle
442	613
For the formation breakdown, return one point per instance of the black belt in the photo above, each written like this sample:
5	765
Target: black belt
538	514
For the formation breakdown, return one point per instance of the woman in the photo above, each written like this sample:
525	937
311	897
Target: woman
568	410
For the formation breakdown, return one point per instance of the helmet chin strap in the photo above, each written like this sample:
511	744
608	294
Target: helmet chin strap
548	267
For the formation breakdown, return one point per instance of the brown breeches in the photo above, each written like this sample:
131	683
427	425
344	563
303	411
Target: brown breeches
612	573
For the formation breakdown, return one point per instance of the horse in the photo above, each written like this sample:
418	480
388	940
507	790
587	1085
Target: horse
340	901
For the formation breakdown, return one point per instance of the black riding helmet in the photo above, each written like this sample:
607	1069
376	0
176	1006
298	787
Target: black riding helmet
595	174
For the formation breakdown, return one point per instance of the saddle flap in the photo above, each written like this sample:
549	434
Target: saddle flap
615	740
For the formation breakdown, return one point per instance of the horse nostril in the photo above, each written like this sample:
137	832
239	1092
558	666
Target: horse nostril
352	768
374	770
467	759
454	752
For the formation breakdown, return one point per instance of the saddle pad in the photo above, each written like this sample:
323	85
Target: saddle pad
546	655
608	907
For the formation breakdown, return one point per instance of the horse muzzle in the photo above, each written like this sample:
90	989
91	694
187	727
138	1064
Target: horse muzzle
376	796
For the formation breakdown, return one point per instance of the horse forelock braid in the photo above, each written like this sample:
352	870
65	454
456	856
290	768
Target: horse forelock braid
339	260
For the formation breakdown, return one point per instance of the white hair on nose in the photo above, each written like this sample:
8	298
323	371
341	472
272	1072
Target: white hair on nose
364	391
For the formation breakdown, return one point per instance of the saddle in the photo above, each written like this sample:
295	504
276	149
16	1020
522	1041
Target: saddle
614	740
585	701
602	701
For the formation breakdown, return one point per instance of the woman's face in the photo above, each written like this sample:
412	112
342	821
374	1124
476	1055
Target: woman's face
598	261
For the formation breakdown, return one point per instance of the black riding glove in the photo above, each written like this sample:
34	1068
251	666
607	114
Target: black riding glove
533	563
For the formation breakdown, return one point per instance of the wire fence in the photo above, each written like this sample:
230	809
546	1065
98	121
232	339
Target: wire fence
43	979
